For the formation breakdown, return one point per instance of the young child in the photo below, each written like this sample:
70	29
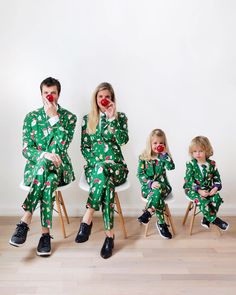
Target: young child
202	182
153	163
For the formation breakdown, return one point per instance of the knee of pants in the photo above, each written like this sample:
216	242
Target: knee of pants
43	166
217	198
100	169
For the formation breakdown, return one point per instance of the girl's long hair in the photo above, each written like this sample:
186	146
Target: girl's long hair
147	153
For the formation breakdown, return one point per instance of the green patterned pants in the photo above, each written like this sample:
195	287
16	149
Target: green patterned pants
45	182
209	206
102	180
155	201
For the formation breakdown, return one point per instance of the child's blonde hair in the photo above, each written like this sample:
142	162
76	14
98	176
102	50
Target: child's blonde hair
147	153
93	117
202	142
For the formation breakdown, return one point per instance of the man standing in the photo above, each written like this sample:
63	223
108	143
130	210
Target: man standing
47	134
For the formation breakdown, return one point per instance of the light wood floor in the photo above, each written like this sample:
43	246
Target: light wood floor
204	263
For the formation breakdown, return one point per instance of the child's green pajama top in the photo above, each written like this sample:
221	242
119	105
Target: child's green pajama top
40	136
105	166
204	177
155	170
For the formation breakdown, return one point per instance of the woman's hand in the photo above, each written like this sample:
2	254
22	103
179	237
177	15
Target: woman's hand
110	110
53	158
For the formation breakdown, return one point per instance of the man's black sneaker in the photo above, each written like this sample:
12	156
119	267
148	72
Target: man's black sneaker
84	232
107	247
44	246
163	230
145	217
221	224
20	234
205	223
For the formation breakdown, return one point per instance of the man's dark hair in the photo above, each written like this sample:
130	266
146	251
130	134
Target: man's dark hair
51	82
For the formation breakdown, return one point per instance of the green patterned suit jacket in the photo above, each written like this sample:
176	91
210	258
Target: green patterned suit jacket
39	136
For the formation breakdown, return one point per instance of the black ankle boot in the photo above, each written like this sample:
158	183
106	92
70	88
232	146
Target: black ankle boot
84	232
107	247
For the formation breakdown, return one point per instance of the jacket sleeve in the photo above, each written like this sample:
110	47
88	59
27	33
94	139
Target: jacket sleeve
142	176
117	129
86	144
169	164
216	178
189	179
30	150
63	131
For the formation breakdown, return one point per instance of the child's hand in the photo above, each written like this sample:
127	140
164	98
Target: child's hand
203	193
213	191
155	184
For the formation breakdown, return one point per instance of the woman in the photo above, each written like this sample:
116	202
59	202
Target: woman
104	131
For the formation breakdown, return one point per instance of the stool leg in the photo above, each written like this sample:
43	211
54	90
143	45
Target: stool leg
63	206
146	230
189	208
169	217
120	215
60	214
192	219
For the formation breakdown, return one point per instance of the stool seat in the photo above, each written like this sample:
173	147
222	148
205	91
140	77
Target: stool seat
83	184
59	201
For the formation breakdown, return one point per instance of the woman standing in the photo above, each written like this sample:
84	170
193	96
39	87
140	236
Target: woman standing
104	131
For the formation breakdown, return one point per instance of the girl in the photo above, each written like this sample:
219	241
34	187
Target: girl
202	182
104	131
152	166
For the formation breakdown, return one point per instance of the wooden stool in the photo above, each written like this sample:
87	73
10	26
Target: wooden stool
60	204
85	186
167	214
193	206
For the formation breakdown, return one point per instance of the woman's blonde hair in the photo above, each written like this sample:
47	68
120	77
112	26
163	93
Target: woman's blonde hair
93	117
147	153
202	142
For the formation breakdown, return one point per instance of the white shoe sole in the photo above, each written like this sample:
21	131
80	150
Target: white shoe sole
43	253
204	225
225	228
14	244
161	233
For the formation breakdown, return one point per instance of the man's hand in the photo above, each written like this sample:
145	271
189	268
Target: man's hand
155	184
53	158
50	108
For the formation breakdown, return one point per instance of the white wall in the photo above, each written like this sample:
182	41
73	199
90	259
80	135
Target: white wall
172	65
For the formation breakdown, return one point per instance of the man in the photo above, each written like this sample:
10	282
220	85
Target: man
47	134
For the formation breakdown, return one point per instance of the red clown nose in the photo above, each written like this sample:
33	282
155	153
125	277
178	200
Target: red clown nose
50	97
104	102
160	148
